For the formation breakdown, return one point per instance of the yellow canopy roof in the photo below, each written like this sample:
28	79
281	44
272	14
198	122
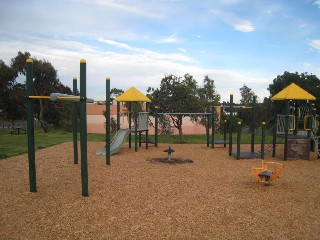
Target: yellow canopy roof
132	95
293	92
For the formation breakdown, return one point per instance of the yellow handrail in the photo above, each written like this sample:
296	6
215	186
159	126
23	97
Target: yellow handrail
294	124
305	121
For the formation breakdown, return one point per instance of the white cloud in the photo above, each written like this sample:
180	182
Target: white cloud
140	67
148	54
229	2
315	44
237	23
128	7
117	44
182	50
170	39
317	2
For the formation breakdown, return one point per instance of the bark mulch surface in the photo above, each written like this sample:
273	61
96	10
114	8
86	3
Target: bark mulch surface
206	194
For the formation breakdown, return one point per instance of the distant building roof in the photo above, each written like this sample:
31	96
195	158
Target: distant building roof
293	92
132	95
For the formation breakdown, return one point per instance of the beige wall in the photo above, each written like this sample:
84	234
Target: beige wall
96	121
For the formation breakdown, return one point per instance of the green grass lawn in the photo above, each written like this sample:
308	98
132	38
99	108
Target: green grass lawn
12	145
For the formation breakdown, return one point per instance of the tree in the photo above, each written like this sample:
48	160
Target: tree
9	94
176	95
246	95
308	82
246	100
115	92
209	97
46	81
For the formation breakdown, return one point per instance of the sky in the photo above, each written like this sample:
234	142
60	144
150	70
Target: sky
138	42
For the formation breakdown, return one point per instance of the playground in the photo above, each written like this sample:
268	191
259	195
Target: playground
212	197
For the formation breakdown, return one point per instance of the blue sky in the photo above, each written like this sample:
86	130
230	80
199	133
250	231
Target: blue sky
138	42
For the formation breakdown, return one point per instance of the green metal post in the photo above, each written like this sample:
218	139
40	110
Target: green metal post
208	130
130	126
108	127
30	125
225	132
296	117
83	128
156	127
263	138
147	131
274	132
118	116
230	124
74	123
286	129
238	140
310	120
136	131
253	121
212	124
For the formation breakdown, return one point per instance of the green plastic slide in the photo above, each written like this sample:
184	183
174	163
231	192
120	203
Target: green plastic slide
116	143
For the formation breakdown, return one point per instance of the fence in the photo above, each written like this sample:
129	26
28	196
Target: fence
22	124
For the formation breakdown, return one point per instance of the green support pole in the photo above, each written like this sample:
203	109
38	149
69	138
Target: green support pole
136	131
147	131
274	137
130	124
253	121
108	127
230	124
225	133
74	123
156	127
286	129
310	121
296	117
83	128
263	139
212	124
208	130
118	116
30	126
238	140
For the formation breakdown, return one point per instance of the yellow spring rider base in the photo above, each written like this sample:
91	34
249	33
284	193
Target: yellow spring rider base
268	173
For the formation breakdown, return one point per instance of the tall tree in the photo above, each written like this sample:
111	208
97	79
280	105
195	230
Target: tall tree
246	100
246	95
115	92
308	82
46	81
177	95
209	97
8	93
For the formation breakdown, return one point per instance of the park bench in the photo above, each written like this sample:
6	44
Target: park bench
17	130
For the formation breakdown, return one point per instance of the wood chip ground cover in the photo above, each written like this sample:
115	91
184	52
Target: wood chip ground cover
213	197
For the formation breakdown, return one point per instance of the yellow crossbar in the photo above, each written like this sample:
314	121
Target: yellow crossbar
39	97
68	97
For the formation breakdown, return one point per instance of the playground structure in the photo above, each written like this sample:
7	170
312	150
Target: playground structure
223	141
268	173
240	154
310	124
132	95
299	127
82	99
116	143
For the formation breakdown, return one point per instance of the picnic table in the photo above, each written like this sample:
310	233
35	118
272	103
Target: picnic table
17	130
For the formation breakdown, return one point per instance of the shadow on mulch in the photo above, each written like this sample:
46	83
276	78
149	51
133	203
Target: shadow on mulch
173	161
